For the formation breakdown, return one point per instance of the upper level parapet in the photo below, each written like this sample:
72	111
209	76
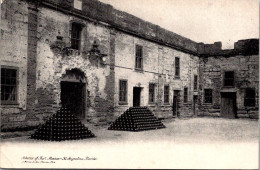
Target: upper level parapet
103	13
241	47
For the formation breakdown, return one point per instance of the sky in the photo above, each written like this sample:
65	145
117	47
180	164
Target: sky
205	21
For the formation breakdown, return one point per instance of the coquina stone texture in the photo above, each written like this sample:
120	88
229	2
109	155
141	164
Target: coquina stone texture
36	40
246	76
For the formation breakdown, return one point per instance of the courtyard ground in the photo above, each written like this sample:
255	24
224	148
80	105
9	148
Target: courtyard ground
193	143
177	130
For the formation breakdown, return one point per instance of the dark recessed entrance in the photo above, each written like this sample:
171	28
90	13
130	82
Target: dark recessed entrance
228	105
73	85
195	105
137	96
176	102
73	97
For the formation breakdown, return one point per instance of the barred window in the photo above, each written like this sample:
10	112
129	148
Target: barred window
8	86
138	57
207	95
123	91
151	93
249	97
76	36
195	82
229	78
166	94
185	95
177	66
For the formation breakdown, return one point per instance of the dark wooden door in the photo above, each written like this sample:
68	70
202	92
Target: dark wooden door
176	100
228	105
195	105
136	96
73	97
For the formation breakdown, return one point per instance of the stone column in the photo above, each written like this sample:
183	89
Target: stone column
31	60
110	86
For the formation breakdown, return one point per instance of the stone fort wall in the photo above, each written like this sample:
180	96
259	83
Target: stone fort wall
40	30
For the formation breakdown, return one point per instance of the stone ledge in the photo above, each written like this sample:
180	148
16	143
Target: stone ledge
9	111
215	114
242	115
241	112
214	110
253	116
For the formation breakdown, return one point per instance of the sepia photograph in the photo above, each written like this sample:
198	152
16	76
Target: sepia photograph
129	84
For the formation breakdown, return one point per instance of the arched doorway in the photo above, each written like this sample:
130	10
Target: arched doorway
73	93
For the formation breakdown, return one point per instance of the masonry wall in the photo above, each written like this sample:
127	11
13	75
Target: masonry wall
158	68
47	63
52	64
45	33
246	69
125	68
14	36
189	66
35	39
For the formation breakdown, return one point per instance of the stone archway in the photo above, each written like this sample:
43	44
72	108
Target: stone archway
73	92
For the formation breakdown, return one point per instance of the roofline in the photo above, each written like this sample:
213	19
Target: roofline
79	14
202	50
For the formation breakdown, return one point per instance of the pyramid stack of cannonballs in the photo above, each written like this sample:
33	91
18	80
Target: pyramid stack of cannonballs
62	126
136	119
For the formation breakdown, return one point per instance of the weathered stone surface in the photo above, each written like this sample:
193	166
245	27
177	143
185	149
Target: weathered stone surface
241	47
244	78
254	116
242	115
241	112
213	110
158	68
14	19
36	39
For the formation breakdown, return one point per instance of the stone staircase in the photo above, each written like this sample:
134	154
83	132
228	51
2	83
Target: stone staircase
136	119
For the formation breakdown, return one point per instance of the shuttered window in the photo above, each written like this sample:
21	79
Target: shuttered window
75	36
139	57
123	91
166	94
177	67
151	93
195	82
